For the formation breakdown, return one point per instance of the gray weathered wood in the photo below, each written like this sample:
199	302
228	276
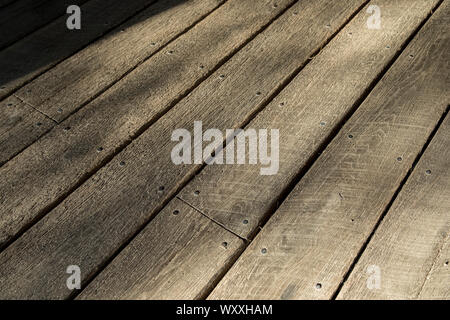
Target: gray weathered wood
309	244
63	89
410	247
18	124
164	259
23	17
54	42
305	112
235	183
109	207
78	79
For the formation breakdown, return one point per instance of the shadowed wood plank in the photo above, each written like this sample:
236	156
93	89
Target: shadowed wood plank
306	248
63	89
306	112
18	123
436	285
349	81
410	247
80	78
25	16
126	192
35	179
4	3
164	258
54	42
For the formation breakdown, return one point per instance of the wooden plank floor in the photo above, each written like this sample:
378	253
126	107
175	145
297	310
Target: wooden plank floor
358	207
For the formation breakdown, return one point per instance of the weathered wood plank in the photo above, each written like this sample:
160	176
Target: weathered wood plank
54	42
306	112
164	258
294	120
25	16
436	285
410	247
127	191
78	79
309	244
63	89
35	179
19	123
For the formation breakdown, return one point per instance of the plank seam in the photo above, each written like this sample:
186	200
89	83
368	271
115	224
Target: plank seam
436	258
106	32
140	131
34	108
389	205
211	219
111	85
189	176
200	19
337	128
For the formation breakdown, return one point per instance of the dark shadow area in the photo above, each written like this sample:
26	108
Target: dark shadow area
22	17
5	3
34	36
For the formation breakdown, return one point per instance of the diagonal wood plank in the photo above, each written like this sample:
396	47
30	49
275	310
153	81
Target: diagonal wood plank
165	257
306	248
63	89
306	113
115	202
54	42
436	285
36	179
289	112
410	247
25	16
86	74
18	123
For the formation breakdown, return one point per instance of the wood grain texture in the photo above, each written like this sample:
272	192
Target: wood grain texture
306	248
436	284
19	123
163	260
306	112
29	57
80	78
25	16
111	206
410	247
63	89
35	179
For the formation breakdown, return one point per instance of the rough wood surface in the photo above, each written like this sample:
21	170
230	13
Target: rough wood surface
164	258
237	196
25	16
306	248
35	179
63	89
19	123
80	78
410	247
54	42
109	207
